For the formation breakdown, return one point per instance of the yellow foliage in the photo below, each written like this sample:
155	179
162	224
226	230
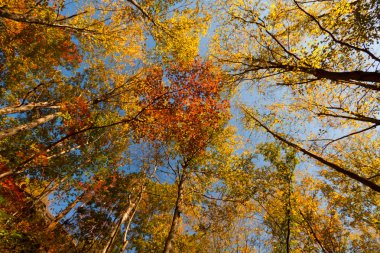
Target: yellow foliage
179	40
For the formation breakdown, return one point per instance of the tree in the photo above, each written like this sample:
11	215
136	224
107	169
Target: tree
193	112
109	83
115	135
76	95
289	210
322	64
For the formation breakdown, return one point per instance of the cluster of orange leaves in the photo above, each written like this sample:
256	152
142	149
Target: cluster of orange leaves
189	109
9	187
79	112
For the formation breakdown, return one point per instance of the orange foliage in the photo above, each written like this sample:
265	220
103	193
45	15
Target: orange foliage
187	111
9	188
79	115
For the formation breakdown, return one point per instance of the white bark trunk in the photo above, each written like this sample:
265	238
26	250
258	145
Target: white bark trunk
12	131
28	107
84	197
121	220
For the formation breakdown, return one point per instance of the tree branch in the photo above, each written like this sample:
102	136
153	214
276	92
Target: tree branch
320	159
333	37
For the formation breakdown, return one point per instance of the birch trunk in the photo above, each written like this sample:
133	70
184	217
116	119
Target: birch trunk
28	107
125	241
58	218
12	131
121	220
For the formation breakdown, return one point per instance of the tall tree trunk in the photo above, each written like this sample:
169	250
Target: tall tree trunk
125	241
359	76
65	151
83	197
28	107
176	216
7	173
310	227
29	19
289	208
12	131
124	217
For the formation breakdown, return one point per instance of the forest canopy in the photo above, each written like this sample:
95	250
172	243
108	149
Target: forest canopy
189	126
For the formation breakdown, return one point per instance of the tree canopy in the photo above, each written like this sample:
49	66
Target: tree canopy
119	134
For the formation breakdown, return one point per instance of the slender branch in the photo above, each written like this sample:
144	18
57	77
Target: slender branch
350	134
333	37
224	199
32	20
362	118
70	17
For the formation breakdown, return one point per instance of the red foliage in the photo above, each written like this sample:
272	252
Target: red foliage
9	187
79	115
189	110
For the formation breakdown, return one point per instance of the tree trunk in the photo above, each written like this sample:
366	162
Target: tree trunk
176	216
360	76
65	151
310	227
288	210
126	216
59	217
125	241
57	23
366	79
122	219
5	174
10	132
28	107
